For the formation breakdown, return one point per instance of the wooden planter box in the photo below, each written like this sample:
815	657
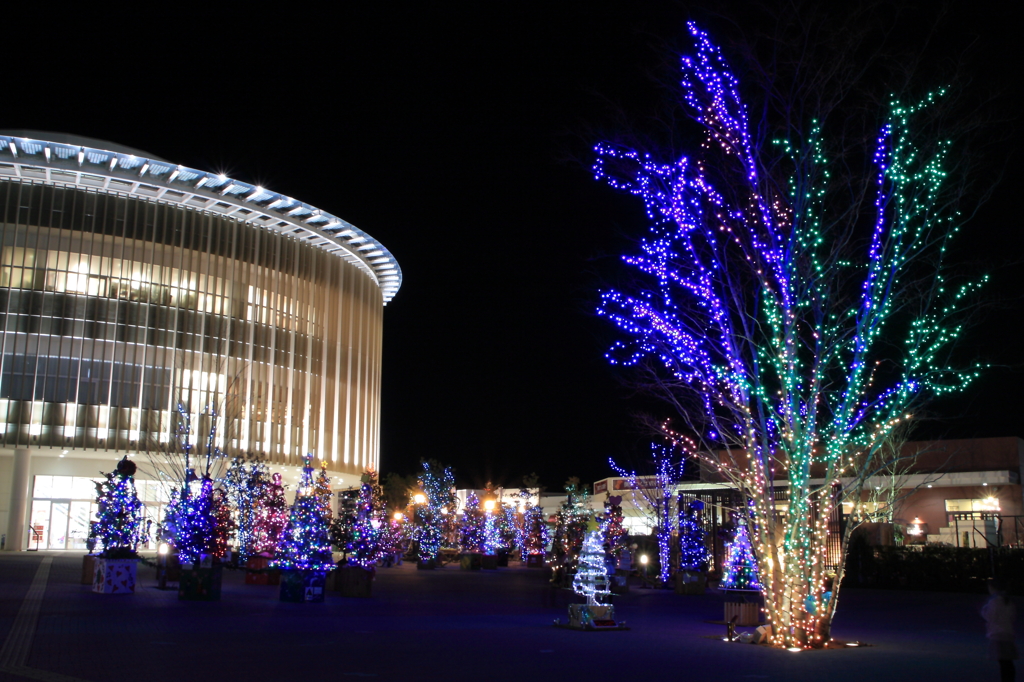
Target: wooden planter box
489	562
691	582
747	613
353	581
503	558
200	583
88	569
267	576
619	583
535	561
592	617
470	561
302	587
114	576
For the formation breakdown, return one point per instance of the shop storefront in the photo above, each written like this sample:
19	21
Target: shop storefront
64	506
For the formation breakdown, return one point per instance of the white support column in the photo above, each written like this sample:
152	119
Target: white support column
17	516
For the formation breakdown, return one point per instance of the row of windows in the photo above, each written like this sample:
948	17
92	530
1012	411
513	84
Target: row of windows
132	218
86	382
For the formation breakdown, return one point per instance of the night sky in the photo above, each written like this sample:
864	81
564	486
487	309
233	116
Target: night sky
459	138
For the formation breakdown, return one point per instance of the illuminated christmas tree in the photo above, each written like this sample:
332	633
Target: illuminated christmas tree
190	519
693	552
322	490
536	533
571	526
492	536
591	578
248	484
370	536
614	531
438	504
471	528
305	544
272	518
740	565
224	527
120	526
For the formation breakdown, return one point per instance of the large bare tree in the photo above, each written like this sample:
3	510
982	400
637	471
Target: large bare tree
792	302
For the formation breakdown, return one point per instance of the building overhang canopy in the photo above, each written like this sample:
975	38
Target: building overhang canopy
153	179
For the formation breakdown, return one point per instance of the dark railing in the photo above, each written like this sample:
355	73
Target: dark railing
986	529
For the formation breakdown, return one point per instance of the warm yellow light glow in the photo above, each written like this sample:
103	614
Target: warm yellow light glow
489	505
399	516
419	498
643	559
163	548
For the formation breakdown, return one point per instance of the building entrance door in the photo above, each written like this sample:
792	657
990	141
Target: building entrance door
60	524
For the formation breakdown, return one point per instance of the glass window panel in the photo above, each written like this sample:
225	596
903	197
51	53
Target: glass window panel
61	487
78	524
39	524
43	487
83	488
59	525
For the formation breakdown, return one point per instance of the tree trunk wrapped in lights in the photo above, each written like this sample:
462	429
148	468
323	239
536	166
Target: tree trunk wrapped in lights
787	331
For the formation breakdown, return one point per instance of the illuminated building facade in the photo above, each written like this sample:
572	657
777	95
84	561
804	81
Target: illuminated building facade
130	285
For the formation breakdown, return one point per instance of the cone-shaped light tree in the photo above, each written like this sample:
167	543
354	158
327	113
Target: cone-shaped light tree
786	330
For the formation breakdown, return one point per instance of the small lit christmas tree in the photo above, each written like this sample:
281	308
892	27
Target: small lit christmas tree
492	537
305	545
120	524
439	504
591	578
248	484
322	490
190	519
693	552
272	519
370	537
740	566
536	533
225	526
471	530
614	531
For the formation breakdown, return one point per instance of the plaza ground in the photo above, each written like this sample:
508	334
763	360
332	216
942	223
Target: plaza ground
446	625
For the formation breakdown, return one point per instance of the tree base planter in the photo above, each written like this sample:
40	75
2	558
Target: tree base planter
88	569
428	565
200	583
502	558
591	618
261	573
353	581
489	562
691	582
168	570
619	583
744	606
470	561
535	561
114	576
303	587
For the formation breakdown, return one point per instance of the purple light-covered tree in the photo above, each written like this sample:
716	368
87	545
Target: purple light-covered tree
787	331
653	496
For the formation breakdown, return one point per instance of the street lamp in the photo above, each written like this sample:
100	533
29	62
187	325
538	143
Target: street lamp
488	506
643	562
419	498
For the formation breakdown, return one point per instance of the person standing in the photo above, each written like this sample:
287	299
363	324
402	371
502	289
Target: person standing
999	614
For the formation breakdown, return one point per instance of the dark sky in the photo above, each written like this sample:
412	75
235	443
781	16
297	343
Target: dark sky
445	134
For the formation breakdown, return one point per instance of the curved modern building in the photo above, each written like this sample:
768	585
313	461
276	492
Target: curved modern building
131	285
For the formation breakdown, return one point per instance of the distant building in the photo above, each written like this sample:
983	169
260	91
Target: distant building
130	285
965	493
